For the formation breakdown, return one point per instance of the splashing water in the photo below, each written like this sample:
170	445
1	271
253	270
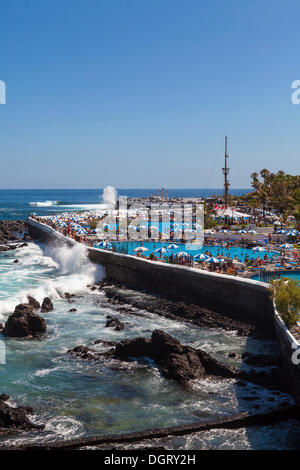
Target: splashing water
75	398
109	196
45	271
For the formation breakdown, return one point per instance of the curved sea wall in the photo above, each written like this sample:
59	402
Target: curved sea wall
290	349
241	299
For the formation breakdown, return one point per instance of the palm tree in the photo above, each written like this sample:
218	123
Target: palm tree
254	204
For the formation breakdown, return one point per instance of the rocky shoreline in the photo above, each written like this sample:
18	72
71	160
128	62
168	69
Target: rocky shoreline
184	364
128	301
12	231
15	418
236	421
175	361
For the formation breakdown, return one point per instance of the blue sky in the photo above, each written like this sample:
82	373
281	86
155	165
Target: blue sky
136	93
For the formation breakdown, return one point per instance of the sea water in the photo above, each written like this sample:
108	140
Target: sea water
20	203
76	398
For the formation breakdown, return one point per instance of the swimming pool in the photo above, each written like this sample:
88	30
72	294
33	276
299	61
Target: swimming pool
192	249
278	274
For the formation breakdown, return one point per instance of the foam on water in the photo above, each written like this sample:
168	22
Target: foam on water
56	270
43	203
73	397
110	196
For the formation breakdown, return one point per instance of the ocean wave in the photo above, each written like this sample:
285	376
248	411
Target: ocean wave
69	270
64	426
63	204
43	203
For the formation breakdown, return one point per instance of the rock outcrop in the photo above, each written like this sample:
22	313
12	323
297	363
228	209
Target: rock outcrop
11	230
47	305
33	302
261	360
115	323
175	310
14	418
181	363
178	362
24	323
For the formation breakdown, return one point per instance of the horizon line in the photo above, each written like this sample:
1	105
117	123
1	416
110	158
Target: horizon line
99	189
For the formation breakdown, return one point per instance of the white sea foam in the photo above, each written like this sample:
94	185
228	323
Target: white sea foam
32	255
68	269
43	203
63	426
109	196
45	372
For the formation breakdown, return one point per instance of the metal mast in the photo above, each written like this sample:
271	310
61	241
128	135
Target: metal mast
226	172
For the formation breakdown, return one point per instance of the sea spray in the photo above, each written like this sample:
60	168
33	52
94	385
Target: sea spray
43	203
57	270
109	196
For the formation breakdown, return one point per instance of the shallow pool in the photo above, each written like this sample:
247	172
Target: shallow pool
192	249
290	274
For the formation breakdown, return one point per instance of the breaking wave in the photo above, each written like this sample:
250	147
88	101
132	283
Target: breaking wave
43	203
56	271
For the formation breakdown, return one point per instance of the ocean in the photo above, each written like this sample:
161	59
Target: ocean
20	203
76	398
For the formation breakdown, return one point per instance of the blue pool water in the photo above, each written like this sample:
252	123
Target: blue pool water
20	203
75	398
289	274
192	249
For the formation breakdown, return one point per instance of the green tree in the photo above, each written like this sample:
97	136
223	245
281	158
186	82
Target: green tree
286	295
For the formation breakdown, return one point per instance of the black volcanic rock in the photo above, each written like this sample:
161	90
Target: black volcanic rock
24	323
182	363
105	343
47	305
261	360
136	347
9	230
176	310
182	367
177	362
22	309
214	367
15	418
84	352
4	397
164	344
33	302
114	322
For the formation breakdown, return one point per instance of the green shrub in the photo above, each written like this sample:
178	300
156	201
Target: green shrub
209	222
286	295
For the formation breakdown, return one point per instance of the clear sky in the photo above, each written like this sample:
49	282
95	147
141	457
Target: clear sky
140	93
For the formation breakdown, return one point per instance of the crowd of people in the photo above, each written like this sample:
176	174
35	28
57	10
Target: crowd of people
83	228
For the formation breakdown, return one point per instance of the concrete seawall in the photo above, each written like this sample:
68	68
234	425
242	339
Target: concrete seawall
238	298
241	299
290	349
